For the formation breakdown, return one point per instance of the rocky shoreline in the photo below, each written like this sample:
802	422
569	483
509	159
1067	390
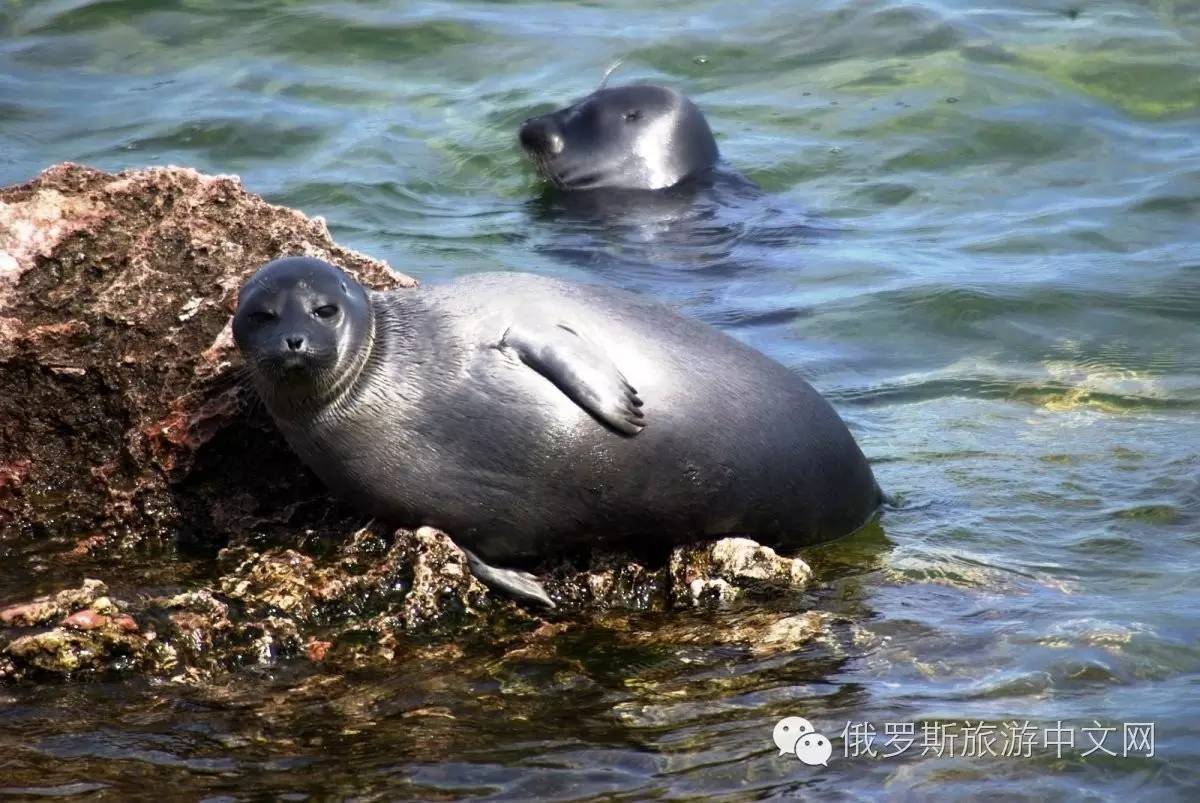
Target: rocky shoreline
175	530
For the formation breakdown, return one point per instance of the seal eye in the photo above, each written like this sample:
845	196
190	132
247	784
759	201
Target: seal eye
326	311
262	316
631	116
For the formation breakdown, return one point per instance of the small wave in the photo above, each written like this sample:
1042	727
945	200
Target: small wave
1059	386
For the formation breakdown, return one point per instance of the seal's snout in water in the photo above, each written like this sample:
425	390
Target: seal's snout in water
530	417
540	137
640	137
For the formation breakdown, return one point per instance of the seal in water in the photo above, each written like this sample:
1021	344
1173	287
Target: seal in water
531	417
635	183
638	137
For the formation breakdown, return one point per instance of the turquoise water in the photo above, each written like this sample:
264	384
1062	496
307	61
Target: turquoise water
1001	296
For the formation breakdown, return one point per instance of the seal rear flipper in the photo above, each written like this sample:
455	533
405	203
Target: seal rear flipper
522	585
580	370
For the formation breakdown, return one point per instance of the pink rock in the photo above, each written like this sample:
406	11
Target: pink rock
126	623
17	614
87	619
316	650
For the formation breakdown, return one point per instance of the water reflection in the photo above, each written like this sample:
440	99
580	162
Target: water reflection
714	227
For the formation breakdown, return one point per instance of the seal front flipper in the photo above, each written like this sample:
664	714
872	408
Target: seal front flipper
521	585
581	371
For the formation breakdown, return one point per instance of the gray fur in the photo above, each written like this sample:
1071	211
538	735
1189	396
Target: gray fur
638	137
580	370
450	420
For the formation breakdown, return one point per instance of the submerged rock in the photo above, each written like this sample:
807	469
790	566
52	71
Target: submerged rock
52	606
93	635
127	438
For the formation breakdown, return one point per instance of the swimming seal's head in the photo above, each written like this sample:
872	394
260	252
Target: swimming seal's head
305	328
641	137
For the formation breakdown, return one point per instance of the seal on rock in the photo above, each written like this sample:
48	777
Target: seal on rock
637	137
531	417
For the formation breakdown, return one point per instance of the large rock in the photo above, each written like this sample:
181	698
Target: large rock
116	358
125	431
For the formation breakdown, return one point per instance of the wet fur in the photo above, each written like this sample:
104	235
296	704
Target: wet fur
442	427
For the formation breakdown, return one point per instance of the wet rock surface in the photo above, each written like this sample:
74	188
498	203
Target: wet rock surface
170	530
359	603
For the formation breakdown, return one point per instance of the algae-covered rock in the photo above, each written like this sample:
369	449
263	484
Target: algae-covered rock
52	606
721	571
94	633
66	651
707	574
357	603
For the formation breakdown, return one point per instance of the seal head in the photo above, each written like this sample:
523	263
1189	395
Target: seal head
641	137
304	328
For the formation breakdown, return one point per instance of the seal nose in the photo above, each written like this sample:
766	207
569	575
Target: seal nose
539	136
295	342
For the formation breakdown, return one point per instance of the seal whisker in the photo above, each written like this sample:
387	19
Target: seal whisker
608	73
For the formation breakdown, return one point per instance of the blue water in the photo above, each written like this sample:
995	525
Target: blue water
988	262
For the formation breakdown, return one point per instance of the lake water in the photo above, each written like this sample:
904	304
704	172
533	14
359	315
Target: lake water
1001	295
